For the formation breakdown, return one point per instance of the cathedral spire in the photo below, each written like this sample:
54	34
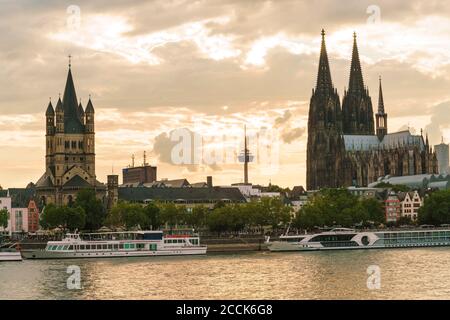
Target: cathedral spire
324	83
380	100
356	82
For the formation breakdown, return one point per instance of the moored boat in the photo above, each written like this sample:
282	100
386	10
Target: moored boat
347	239
119	244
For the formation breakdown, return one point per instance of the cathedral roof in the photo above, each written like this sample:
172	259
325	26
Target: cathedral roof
72	123
390	141
360	142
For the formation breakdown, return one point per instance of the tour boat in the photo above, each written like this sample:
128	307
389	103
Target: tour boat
343	238
119	244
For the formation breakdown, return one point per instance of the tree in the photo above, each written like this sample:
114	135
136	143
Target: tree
153	214
4	217
64	217
375	210
130	215
338	207
172	215
436	208
93	207
198	217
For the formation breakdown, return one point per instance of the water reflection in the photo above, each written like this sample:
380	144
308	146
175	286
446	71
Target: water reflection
405	274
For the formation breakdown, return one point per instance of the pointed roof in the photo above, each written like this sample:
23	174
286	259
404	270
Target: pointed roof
50	111
356	82
380	100
80	110
59	106
324	83
89	107
72	123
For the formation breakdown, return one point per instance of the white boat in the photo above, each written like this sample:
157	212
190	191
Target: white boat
348	239
119	244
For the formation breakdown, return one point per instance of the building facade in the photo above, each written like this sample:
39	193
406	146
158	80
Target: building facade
345	146
393	208
70	150
410	204
442	154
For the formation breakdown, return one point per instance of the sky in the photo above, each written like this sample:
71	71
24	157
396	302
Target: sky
180	79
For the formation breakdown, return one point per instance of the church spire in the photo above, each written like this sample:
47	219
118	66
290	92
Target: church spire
356	82
380	100
70	106
324	83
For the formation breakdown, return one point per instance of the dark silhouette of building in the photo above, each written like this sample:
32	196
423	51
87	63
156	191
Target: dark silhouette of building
343	147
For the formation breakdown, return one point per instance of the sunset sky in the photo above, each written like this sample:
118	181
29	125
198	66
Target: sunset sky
211	67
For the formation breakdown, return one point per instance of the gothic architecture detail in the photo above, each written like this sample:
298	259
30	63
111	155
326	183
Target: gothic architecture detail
343	147
70	150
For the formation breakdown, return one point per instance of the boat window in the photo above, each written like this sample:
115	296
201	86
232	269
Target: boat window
153	236
121	245
59	248
70	247
82	247
105	246
110	246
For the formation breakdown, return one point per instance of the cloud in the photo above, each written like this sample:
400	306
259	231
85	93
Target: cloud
440	120
290	135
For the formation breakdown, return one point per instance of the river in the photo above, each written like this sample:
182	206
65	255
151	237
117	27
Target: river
401	274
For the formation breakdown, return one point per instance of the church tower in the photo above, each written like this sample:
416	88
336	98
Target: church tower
357	105
381	116
70	149
325	143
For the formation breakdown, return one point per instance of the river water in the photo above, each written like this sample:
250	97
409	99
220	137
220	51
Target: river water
402	274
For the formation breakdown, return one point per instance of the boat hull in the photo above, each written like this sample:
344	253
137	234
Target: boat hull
43	254
274	247
10	256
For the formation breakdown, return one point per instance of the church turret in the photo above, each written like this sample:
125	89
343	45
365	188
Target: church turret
357	105
381	116
50	117
59	116
89	137
81	112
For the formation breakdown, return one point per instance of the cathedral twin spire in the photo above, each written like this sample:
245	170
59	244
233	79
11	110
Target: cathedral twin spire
357	111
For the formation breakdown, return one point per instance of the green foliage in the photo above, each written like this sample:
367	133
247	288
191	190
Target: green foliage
129	215
173	215
4	216
436	209
64	217
93	207
198	218
153	214
338	207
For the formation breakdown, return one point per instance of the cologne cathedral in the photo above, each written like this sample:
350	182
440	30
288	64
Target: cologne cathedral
345	146
70	150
